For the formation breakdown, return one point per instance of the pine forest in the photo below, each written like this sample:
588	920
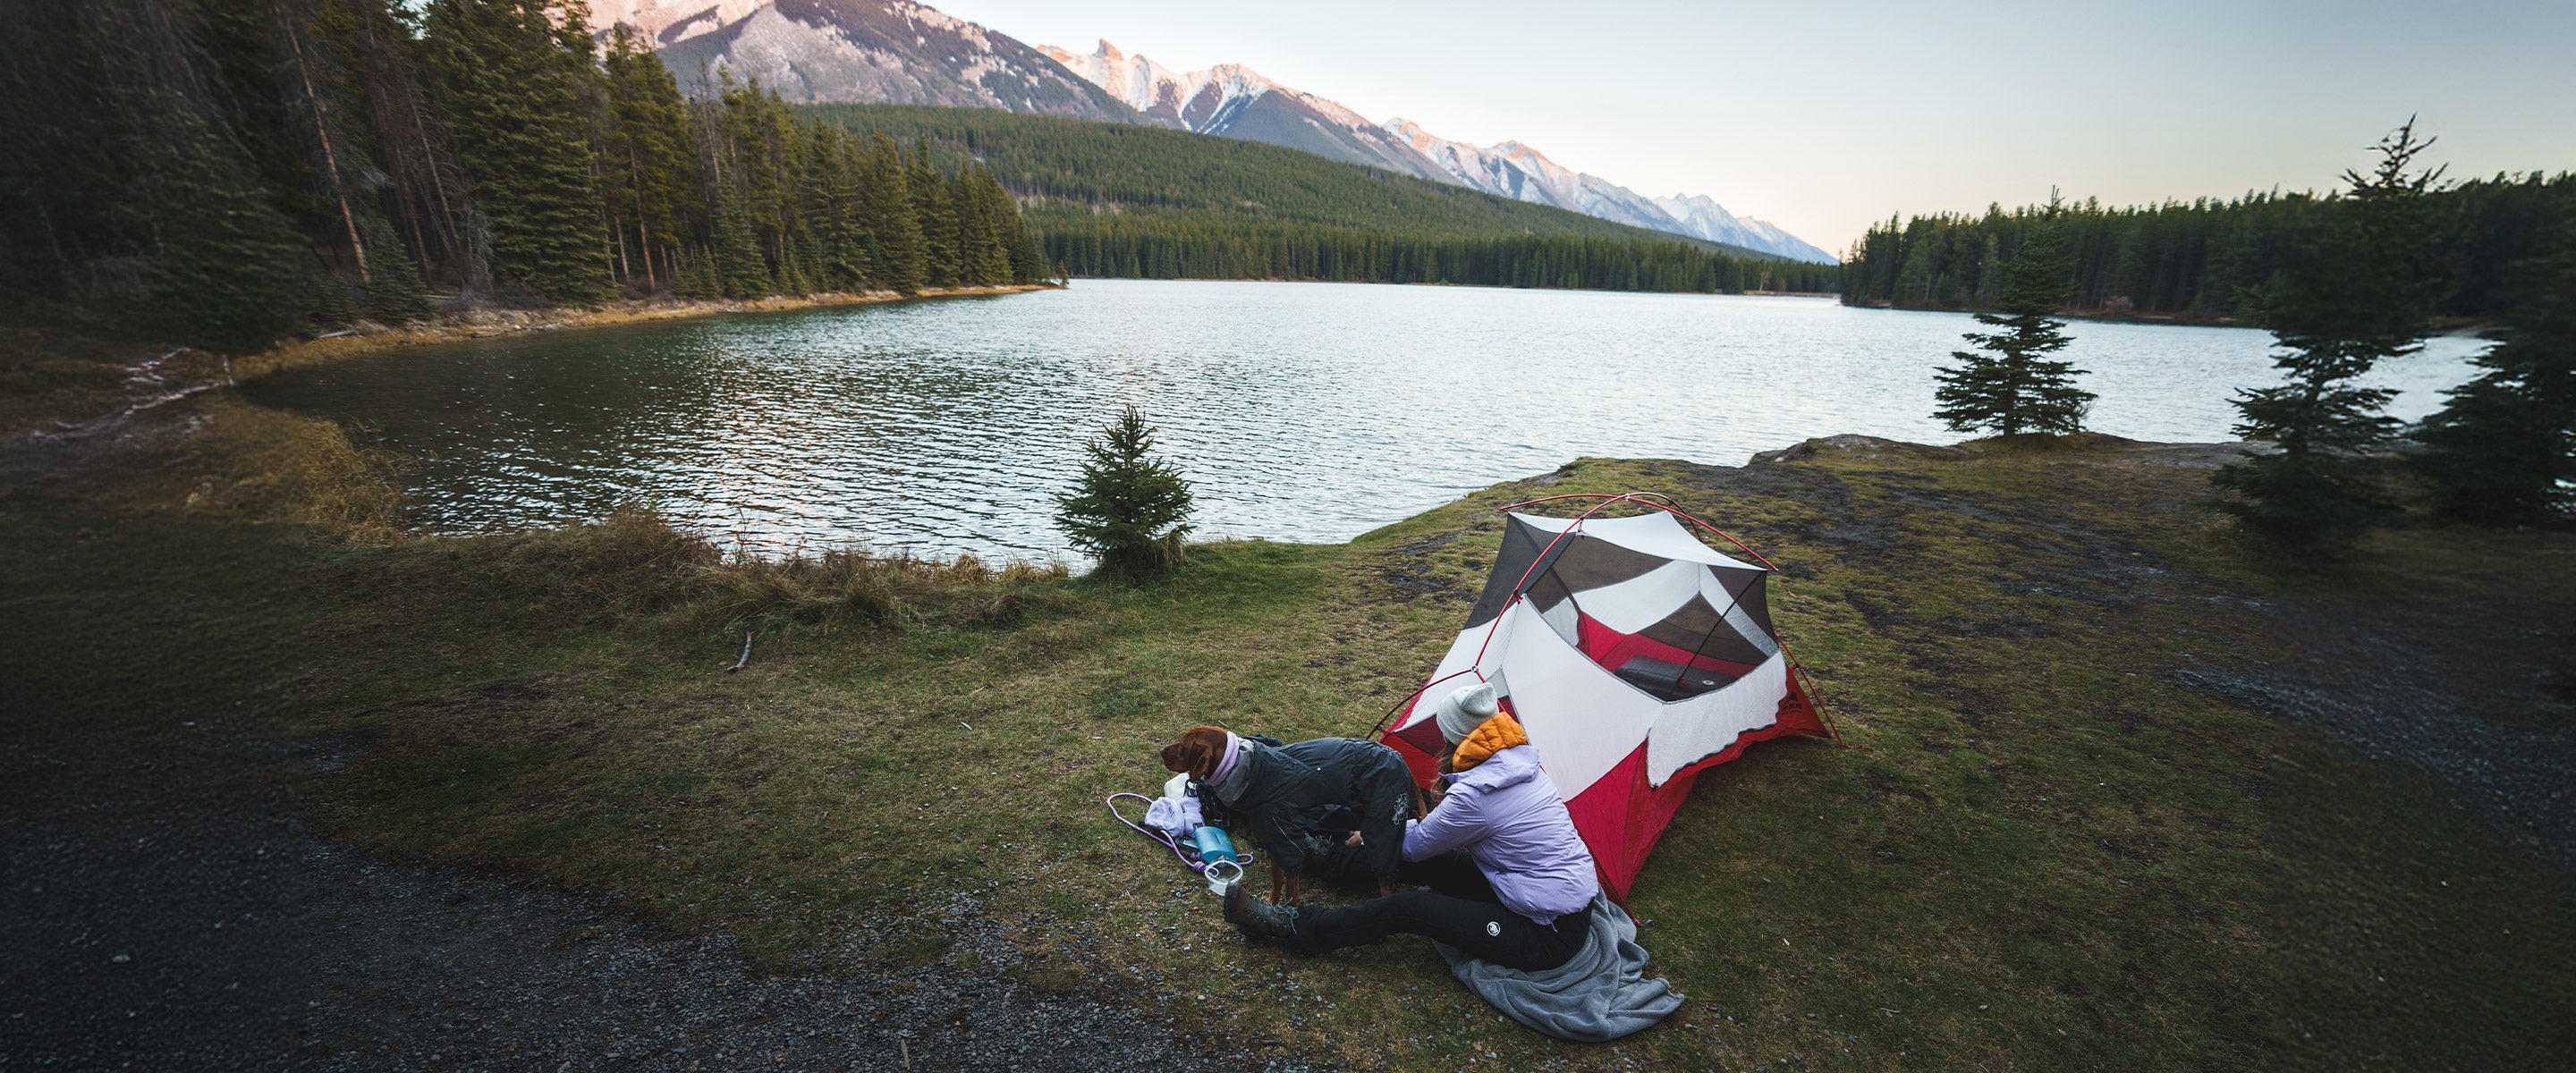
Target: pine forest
247	168
2204	259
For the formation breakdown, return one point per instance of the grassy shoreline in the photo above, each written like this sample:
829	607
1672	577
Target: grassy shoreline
485	323
63	367
2052	850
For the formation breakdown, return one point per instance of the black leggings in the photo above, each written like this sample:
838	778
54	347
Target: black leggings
1459	909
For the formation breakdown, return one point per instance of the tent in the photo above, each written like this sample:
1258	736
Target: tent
1633	654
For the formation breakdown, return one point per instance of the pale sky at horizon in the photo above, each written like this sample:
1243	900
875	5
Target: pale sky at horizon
1822	118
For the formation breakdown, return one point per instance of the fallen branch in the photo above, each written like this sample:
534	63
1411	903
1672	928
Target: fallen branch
746	654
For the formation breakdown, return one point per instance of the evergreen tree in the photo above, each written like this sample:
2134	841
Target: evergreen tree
692	277
832	207
225	276
515	81
739	268
2357	291
1128	509
934	210
1028	262
2011	385
897	260
2503	450
988	251
221	262
395	292
649	164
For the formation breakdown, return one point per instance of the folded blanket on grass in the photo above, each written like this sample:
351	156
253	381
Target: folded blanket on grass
1599	994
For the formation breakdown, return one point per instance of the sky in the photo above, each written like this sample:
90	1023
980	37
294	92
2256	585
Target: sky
1824	117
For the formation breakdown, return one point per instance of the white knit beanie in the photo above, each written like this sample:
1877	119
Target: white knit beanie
1465	709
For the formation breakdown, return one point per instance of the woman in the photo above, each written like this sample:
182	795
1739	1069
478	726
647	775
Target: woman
1517	895
1331	807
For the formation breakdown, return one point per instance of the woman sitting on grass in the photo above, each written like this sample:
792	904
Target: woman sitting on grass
1508	880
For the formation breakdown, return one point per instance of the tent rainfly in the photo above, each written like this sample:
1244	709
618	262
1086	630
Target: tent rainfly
1634	656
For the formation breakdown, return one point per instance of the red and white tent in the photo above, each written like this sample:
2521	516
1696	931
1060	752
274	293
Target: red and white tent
1633	654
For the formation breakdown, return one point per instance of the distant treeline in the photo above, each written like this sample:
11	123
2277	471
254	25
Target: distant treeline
1145	202
2203	259
245	168
1152	248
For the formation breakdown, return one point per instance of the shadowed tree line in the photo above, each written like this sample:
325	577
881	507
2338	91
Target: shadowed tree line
246	169
2206	258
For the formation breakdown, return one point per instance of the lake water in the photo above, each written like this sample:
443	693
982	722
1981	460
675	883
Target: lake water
1302	411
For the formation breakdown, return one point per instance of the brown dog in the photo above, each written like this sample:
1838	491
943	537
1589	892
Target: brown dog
1196	753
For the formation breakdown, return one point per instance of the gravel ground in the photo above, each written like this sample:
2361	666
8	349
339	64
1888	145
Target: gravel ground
166	908
2477	697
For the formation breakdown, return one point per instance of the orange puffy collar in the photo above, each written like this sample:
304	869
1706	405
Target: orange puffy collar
1497	734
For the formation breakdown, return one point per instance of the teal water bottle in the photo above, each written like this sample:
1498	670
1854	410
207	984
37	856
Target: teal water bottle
1213	844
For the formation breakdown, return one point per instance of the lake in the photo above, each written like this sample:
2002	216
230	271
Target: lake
1301	411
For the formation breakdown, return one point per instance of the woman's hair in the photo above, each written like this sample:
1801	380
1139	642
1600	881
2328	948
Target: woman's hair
1196	753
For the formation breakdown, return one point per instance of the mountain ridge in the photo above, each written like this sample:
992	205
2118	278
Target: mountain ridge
1234	101
905	52
887	51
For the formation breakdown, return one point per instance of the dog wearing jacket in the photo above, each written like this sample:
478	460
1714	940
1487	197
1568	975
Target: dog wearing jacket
1506	877
1331	806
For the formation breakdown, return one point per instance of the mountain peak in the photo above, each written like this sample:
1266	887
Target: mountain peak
893	51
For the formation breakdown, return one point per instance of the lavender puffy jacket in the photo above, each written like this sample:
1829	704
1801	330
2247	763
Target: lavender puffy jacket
1506	813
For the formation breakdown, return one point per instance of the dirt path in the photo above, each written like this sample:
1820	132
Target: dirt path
168	909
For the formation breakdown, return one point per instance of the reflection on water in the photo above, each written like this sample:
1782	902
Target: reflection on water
1302	411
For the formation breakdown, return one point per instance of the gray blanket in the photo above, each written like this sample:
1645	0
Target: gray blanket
1600	994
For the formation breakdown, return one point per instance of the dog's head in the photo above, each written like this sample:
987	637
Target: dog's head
1196	753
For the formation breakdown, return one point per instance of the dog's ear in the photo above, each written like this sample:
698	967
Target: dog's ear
1196	753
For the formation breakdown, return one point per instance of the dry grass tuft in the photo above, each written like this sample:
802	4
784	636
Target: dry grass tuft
274	467
854	587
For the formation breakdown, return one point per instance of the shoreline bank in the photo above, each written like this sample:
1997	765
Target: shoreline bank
488	322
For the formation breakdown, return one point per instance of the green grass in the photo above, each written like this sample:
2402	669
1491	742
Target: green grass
2044	851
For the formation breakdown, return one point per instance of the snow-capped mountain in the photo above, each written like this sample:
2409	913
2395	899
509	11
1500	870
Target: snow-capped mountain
902	52
1234	101
893	51
1517	171
1698	214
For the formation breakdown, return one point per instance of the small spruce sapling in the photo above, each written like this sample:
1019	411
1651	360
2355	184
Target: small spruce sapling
2011	385
1129	509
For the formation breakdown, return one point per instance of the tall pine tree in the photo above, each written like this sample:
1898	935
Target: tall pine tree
2011	385
935	211
514	79
898	260
2357	291
740	269
651	171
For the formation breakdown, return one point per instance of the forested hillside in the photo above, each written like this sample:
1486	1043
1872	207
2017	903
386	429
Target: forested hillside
238	170
1118	200
2203	259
